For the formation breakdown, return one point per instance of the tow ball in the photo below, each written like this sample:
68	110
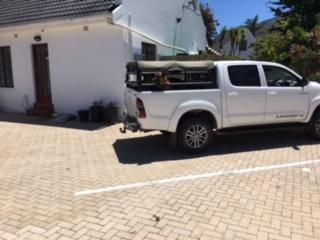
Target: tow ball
123	130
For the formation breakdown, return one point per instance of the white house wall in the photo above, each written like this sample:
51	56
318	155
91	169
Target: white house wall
88	68
85	66
157	20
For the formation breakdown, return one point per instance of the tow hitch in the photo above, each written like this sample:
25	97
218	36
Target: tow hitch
131	124
123	130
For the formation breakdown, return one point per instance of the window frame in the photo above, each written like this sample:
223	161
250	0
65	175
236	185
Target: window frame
145	51
245	65
7	68
288	70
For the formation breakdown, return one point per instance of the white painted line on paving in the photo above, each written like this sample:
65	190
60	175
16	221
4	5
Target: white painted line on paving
195	177
306	170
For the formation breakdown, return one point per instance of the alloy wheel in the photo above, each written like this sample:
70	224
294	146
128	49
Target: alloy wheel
196	136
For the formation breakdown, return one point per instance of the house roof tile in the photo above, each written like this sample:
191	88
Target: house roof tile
19	12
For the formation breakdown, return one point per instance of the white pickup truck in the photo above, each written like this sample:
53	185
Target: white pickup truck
192	101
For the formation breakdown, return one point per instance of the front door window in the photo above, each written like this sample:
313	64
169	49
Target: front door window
279	77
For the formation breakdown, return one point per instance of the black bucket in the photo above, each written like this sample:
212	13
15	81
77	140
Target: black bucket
96	114
83	115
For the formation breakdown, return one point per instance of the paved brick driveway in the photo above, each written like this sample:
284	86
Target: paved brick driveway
42	167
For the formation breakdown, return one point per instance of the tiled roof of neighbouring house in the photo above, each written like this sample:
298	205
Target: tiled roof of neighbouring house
19	12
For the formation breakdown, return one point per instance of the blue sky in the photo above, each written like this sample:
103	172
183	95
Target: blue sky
232	13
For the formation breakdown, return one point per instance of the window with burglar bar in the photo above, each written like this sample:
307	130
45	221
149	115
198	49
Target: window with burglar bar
6	76
149	51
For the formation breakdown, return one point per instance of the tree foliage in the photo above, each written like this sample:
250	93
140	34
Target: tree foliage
233	34
210	23
295	39
242	40
297	13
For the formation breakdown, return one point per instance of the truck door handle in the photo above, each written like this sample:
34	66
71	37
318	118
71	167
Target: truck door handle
233	94
272	93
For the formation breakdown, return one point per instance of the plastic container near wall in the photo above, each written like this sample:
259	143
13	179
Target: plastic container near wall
96	114
83	115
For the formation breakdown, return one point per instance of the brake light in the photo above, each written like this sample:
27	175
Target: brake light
140	108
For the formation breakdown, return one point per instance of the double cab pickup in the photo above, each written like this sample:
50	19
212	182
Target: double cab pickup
192	101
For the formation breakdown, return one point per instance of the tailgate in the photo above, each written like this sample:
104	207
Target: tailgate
130	102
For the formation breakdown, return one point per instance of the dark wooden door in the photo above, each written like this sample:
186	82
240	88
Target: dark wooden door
42	73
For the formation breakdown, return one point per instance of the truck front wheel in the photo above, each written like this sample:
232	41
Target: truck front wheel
195	135
313	127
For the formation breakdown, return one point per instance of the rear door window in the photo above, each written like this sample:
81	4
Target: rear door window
244	76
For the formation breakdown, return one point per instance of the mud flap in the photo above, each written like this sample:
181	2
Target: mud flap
173	141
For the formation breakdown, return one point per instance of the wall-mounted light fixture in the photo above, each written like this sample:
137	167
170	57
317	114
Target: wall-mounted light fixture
37	38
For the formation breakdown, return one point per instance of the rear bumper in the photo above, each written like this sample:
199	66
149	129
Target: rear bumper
130	123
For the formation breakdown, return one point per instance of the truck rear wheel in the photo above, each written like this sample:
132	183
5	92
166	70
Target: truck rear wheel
313	127
195	135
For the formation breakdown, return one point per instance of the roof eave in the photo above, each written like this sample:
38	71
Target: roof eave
57	23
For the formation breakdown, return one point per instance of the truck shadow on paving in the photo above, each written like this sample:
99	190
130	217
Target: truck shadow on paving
154	148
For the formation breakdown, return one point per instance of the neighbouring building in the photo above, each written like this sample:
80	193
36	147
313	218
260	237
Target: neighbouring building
62	55
245	48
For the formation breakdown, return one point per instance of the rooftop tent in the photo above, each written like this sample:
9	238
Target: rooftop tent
169	65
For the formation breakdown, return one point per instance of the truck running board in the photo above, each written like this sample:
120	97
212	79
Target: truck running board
255	128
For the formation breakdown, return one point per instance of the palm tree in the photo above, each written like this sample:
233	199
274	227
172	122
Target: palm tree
223	34
237	40
253	25
243	39
233	36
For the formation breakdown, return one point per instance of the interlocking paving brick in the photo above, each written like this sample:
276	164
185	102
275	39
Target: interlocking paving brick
43	166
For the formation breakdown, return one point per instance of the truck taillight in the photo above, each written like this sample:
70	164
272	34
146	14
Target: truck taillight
141	109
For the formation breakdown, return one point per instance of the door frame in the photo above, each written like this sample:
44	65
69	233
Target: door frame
232	91
38	98
285	93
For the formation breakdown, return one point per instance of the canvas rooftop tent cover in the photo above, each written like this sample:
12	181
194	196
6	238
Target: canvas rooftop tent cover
168	65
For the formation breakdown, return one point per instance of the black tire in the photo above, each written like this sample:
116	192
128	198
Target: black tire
195	135
313	127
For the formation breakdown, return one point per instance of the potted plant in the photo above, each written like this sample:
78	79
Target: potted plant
111	113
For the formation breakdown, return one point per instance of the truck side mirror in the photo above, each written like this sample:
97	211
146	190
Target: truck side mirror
304	82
